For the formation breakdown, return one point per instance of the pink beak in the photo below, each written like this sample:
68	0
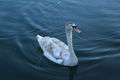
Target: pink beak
76	30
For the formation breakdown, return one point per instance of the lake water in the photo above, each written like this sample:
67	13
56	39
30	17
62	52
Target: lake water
97	46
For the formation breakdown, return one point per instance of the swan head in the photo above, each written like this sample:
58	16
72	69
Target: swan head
72	26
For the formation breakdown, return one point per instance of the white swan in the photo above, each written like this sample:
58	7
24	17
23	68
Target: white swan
57	51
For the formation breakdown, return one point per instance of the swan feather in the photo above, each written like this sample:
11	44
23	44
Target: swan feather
55	50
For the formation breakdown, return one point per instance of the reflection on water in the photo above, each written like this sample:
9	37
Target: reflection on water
97	46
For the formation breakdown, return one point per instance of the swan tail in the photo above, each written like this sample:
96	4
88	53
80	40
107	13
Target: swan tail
38	36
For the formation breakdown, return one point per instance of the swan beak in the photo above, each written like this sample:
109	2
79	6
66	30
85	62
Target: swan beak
76	30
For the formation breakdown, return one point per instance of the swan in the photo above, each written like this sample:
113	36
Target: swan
56	50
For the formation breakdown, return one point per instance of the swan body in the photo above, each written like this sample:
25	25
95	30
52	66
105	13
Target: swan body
57	51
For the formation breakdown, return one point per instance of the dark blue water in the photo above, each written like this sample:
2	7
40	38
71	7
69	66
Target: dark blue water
97	47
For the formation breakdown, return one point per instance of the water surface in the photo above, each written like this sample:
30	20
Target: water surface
97	47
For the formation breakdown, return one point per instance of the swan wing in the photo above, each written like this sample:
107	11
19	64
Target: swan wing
52	58
54	49
60	43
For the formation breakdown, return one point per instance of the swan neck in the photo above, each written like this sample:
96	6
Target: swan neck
69	41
